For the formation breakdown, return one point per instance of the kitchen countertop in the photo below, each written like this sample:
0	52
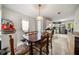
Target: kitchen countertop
76	34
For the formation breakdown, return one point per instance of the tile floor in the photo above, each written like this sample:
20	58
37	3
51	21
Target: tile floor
62	44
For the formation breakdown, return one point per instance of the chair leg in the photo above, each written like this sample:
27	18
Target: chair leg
47	52
51	48
47	47
51	45
40	51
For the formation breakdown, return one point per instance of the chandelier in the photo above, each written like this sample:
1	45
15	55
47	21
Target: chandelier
39	17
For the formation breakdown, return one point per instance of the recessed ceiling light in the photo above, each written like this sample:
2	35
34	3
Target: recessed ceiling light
58	12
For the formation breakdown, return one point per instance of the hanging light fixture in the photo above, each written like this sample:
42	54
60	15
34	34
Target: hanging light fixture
39	17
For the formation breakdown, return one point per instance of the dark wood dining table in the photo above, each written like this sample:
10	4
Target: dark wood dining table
33	38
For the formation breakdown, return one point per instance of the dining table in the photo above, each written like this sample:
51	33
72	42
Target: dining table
32	38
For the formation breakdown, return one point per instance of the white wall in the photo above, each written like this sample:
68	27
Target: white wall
0	10
16	18
0	22
76	21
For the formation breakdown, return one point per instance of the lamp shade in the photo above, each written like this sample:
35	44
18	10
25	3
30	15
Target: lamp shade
39	18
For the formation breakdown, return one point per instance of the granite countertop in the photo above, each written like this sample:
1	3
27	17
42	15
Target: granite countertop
76	34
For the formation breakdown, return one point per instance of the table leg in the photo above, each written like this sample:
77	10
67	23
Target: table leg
31	48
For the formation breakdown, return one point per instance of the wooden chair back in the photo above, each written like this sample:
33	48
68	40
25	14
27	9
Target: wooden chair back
44	42
11	45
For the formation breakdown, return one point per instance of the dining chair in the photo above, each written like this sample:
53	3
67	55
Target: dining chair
51	37
20	50
51	33
11	45
43	45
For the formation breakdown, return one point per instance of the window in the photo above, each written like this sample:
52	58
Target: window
25	25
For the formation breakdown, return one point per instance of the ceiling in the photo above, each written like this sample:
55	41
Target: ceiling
48	10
